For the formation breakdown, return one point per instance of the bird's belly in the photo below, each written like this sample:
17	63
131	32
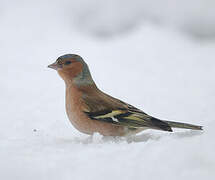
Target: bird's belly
88	126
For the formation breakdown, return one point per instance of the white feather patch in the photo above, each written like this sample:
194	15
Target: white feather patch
115	119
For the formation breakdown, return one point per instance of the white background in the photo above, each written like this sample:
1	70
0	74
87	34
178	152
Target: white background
156	55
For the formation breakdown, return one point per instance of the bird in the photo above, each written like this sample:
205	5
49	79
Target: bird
92	111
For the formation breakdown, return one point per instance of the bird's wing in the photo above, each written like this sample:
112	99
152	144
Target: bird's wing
110	110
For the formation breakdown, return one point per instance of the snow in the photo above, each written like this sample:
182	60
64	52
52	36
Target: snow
195	17
160	69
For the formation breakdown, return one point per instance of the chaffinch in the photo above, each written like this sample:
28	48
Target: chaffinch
91	110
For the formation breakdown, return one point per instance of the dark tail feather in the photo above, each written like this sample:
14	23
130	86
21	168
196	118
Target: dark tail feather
160	125
183	125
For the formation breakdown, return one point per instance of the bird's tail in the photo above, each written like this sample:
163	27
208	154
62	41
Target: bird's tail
183	125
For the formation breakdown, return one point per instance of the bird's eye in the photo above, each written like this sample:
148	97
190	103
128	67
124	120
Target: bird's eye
67	62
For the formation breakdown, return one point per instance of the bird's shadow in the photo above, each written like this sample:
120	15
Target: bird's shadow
176	135
144	137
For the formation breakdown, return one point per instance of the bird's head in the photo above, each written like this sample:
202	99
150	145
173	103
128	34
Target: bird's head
73	69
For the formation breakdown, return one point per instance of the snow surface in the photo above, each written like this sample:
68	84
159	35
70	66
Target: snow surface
159	69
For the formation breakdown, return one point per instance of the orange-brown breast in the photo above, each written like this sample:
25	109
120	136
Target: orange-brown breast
75	107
